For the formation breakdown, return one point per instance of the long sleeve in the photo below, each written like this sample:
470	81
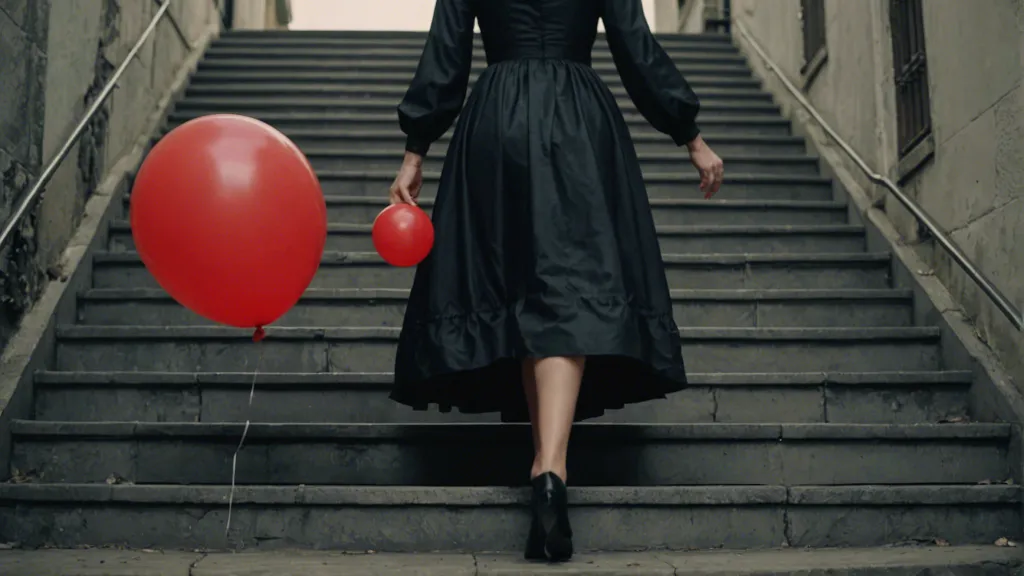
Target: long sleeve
438	90
652	80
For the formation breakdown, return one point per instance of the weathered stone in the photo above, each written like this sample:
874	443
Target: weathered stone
898	561
602	454
21	70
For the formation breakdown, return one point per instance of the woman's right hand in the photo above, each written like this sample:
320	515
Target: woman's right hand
407	185
708	165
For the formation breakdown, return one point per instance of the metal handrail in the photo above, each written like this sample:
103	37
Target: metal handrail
1012	313
51	168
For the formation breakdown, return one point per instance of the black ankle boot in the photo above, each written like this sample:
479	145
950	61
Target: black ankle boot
550	534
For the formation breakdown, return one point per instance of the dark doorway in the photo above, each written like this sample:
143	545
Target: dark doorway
227	13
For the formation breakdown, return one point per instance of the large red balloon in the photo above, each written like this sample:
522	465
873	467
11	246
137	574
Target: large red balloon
228	216
403	235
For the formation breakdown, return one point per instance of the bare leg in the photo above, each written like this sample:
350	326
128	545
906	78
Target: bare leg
556	383
530	388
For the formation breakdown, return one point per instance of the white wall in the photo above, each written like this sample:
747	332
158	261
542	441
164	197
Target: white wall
693	23
250	14
375	14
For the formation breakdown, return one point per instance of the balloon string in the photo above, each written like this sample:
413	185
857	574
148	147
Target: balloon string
245	430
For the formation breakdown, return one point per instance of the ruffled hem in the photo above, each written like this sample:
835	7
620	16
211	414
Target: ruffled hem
472	362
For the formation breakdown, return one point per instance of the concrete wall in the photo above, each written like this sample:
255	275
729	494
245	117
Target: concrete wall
260	14
690	20
59	57
23	61
666	14
970	175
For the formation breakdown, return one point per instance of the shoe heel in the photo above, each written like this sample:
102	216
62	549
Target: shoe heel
550	535
558	546
535	542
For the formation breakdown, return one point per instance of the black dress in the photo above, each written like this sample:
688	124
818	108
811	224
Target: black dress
545	243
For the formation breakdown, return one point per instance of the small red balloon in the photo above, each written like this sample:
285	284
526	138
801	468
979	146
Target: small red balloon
403	235
228	216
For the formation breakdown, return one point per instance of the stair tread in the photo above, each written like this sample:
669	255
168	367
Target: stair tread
201	76
278	87
475	496
884	495
385	379
648	177
582	432
654	202
427	201
680	230
269	34
402	294
647	136
315	61
696	259
334	103
286	51
894	561
391	333
314	150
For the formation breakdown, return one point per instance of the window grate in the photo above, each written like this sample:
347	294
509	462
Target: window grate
812	15
910	71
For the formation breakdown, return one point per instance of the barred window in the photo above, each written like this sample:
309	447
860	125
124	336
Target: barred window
812	16
913	104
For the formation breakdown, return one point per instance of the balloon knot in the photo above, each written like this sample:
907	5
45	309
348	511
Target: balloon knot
259	334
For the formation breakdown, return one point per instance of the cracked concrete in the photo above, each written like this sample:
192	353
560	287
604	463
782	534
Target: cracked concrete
892	561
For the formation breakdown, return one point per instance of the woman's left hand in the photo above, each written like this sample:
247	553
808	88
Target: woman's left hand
407	185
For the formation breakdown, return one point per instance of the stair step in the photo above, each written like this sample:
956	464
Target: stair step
455	519
396	37
776	165
692	308
765	137
881	561
659	185
371	96
440	454
413	47
417	39
779	397
405	70
667	212
298	103
383	59
839	238
754	271
201	348
397	84
734	118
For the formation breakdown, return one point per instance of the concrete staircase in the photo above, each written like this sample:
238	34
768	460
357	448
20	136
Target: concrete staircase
821	415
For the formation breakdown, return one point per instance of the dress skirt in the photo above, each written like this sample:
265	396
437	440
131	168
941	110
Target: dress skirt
545	245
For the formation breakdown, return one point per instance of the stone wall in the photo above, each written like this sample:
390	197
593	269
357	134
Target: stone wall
60	56
23	61
969	176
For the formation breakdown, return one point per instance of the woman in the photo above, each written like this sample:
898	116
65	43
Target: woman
545	295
